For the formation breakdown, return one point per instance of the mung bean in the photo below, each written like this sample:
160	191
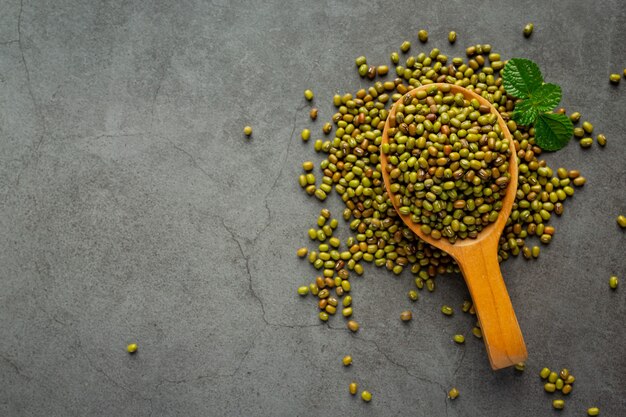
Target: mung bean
366	396
422	35
406	315
528	30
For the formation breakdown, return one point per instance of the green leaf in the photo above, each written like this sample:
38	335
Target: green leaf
525	113
553	131
521	77
546	97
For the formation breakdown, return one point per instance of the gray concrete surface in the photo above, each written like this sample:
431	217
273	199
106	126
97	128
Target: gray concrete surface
134	210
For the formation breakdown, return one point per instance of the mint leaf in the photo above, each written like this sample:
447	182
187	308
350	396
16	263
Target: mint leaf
553	131
546	97
543	99
525	113
521	77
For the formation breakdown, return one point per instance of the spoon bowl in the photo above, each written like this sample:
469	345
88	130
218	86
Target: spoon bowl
478	258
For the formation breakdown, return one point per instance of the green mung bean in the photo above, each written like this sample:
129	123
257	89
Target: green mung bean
549	387
594	411
615	78
459	338
477	332
621	221
528	30
453	393
452	37
247	130
613	282
308	94
422	35
558	404
406	315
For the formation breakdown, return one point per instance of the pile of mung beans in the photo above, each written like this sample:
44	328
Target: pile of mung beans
352	168
449	166
448	163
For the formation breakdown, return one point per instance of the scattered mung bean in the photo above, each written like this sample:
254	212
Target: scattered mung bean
366	396
613	282
353	326
406	315
452	37
595	411
422	35
453	393
528	29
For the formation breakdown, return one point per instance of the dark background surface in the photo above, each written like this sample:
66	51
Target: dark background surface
134	210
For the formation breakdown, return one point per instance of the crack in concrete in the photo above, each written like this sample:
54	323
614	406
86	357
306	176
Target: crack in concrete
398	364
15	367
100	370
112	380
253	291
280	173
460	362
191	158
28	81
249	273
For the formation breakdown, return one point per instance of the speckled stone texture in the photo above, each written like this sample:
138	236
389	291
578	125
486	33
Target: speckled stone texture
133	209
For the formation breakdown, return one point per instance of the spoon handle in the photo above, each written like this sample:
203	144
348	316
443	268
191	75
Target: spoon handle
503	338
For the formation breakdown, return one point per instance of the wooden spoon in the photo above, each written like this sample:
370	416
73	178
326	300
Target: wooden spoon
478	258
